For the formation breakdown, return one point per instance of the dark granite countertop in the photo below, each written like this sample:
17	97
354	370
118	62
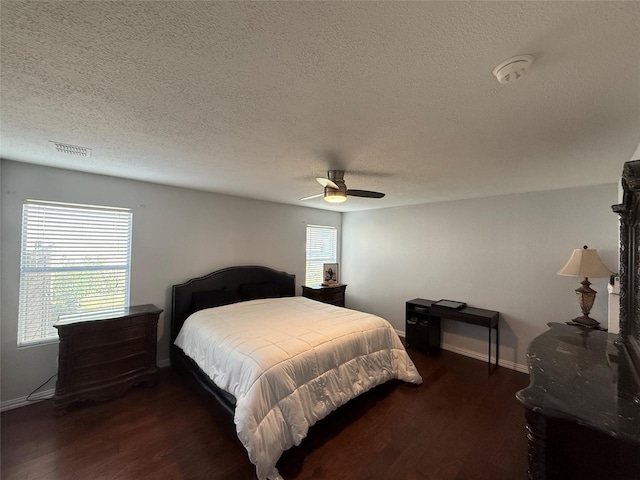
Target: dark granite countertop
575	376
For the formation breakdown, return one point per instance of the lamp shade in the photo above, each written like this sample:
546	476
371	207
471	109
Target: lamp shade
585	262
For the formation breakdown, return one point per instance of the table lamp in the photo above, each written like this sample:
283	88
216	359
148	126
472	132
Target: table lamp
585	262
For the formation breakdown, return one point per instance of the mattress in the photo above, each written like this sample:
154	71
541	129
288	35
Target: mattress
289	362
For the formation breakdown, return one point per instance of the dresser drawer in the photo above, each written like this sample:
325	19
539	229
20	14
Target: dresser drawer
333	294
91	340
109	371
87	357
336	297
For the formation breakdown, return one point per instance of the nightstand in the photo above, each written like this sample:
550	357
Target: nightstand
332	294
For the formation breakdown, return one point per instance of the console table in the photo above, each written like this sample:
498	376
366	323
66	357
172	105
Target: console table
422	327
583	418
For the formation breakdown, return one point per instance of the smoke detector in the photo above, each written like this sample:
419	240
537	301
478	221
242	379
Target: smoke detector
512	68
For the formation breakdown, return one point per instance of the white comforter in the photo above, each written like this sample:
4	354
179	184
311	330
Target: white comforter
289	362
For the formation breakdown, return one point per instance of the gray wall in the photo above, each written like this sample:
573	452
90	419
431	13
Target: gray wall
177	234
499	253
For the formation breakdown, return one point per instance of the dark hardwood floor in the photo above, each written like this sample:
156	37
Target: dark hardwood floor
460	424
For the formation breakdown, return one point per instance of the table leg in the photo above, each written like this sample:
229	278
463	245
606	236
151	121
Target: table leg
489	358
497	341
497	349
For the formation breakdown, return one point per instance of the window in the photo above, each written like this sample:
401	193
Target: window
75	259
322	246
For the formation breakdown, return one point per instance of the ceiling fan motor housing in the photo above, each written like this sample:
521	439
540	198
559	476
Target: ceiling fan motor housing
336	195
335	190
336	175
342	189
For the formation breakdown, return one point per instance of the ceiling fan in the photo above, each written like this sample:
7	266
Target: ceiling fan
335	190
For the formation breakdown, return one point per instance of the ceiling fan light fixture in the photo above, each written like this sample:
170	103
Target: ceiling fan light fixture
332	195
335	190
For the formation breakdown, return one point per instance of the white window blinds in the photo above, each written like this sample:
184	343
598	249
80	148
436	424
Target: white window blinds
75	259
322	246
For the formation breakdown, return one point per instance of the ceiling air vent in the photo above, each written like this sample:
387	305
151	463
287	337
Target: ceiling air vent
73	150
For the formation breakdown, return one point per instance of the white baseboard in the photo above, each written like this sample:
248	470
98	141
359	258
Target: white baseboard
22	401
47	394
478	356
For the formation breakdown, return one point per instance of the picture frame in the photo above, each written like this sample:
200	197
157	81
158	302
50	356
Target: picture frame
330	274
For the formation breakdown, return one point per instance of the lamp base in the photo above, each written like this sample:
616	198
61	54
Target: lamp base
586	321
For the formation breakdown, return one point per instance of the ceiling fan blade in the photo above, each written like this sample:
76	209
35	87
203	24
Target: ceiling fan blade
365	193
325	182
312	196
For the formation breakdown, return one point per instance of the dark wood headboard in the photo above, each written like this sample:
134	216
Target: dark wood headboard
229	279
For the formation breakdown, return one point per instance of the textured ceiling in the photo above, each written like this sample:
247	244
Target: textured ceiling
257	99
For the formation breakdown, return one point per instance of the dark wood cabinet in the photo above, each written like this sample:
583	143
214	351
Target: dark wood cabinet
333	294
583	421
583	402
102	358
422	330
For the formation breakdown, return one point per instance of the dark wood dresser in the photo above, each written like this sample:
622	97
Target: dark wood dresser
333	294
583	402
583	420
101	358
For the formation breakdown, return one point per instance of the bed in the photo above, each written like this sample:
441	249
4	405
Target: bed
278	362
